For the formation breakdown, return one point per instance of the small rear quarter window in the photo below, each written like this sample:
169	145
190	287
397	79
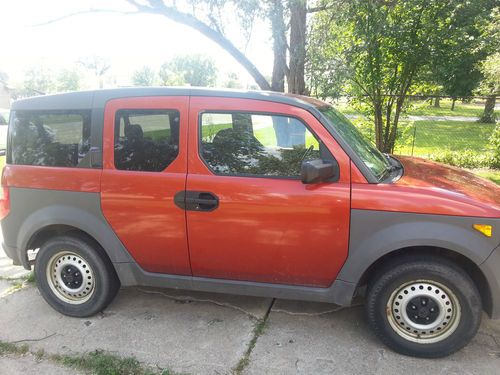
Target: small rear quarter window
50	138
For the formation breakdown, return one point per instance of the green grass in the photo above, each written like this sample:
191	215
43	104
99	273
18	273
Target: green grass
9	348
436	136
490	174
97	362
245	360
423	108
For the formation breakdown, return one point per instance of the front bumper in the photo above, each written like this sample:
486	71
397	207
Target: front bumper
12	254
491	269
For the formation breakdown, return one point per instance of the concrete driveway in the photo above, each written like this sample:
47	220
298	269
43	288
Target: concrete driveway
202	333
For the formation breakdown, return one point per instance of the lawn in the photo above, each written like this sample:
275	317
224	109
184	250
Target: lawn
435	136
423	108
490	174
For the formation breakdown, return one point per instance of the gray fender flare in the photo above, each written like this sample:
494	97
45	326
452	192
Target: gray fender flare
377	233
95	226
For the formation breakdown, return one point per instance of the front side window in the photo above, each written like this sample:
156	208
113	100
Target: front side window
256	144
146	139
50	138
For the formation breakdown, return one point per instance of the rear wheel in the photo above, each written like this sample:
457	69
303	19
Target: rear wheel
424	307
74	276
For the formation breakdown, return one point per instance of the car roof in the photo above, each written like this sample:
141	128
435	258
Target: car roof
98	98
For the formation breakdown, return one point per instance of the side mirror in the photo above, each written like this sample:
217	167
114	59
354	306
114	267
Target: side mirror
316	171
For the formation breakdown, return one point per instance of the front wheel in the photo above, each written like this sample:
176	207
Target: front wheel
423	307
74	276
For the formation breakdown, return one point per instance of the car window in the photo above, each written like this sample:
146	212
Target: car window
50	138
256	144
146	140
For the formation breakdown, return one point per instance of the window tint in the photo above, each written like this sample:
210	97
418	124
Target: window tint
50	138
146	140
256	144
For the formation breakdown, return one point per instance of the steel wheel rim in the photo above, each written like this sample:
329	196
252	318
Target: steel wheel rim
409	311
70	277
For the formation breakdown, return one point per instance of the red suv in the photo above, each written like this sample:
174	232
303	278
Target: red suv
251	193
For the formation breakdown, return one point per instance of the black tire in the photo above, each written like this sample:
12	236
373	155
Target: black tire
396	291
89	269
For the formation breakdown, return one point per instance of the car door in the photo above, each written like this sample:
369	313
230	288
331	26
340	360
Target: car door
144	166
249	216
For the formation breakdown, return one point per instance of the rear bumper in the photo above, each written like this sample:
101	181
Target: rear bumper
491	269
12	254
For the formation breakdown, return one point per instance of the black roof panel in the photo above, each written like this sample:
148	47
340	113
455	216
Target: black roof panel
98	98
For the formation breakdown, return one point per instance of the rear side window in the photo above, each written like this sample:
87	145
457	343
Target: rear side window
146	140
50	138
256	144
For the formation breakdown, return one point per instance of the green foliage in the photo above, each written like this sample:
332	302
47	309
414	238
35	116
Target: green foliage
490	174
8	348
232	81
38	80
41	80
195	70
495	147
101	363
146	76
388	46
68	80
463	159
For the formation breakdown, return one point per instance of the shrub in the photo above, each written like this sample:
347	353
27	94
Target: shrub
495	147
464	159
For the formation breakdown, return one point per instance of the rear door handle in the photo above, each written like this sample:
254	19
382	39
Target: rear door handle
196	200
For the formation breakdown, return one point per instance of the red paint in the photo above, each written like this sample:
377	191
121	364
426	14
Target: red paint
266	229
53	178
139	206
431	188
4	198
356	176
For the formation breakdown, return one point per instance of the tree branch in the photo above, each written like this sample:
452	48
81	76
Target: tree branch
172	13
84	12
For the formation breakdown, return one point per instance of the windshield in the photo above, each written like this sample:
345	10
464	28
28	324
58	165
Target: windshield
372	157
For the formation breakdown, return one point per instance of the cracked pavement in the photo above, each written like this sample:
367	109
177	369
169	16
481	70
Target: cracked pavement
206	333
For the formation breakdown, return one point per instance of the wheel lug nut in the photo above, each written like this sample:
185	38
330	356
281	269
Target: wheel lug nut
416	316
427	318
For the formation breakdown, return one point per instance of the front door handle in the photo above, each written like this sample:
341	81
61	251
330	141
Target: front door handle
196	200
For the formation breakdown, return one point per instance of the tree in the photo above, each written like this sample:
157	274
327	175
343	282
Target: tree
195	70
38	81
98	66
387	44
146	76
490	67
491	84
232	81
287	18
68	80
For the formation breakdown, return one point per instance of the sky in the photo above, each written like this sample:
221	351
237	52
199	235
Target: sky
128	42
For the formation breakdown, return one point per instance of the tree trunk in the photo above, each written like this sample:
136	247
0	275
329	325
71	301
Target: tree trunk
453	100
379	125
488	116
298	18
436	102
278	28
